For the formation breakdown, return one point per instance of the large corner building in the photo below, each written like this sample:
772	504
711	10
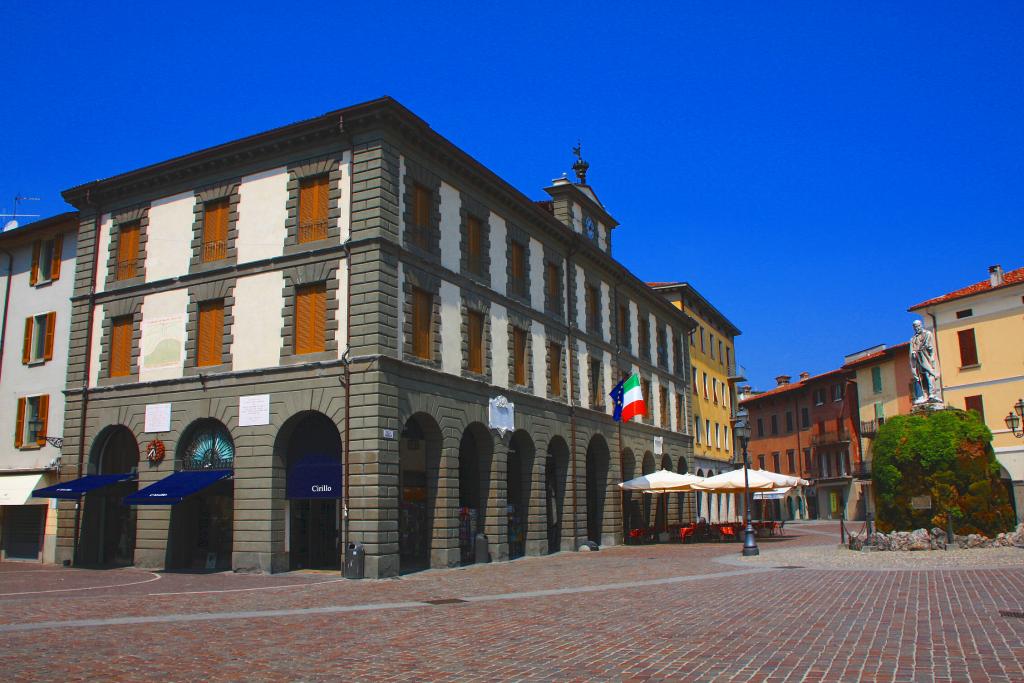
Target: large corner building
349	330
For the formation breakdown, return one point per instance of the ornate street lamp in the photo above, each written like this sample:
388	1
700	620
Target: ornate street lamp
36	427
1013	420
742	432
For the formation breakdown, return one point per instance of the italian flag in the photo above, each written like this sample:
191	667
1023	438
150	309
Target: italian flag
632	399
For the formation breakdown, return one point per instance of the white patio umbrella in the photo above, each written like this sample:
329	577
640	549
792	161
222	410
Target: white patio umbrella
783	480
733	482
775	494
662	481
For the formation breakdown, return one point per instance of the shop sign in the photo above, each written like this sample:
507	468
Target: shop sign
501	415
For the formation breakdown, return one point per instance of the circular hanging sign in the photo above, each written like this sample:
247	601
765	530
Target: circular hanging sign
155	451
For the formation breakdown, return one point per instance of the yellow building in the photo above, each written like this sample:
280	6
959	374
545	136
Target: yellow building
979	333
713	373
884	390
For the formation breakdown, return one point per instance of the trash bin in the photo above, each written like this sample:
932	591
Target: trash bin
354	560
481	547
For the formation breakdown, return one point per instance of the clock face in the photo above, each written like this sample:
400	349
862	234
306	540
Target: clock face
590	227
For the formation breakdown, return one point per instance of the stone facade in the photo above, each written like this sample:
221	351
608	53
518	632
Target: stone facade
420	463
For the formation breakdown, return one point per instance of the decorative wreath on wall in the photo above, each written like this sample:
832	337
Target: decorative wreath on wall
155	451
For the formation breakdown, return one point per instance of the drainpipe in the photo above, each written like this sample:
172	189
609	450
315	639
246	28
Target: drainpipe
7	304
571	314
90	317
346	363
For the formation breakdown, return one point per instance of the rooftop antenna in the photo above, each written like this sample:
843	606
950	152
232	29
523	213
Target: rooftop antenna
13	223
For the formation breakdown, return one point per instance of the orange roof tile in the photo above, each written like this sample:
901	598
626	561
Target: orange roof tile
799	384
1011	277
877	355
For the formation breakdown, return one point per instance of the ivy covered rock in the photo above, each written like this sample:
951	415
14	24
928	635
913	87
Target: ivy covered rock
947	455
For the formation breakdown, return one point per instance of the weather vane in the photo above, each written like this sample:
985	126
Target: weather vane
580	167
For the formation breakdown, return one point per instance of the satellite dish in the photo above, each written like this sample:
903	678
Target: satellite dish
10	225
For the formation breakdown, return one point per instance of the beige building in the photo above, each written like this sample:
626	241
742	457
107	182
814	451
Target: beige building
979	331
713	377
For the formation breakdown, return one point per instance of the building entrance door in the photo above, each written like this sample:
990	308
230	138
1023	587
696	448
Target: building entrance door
314	483
108	526
313	534
23	531
201	529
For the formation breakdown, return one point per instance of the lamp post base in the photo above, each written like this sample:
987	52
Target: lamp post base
750	542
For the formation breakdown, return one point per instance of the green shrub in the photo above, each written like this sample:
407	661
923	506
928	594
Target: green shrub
946	454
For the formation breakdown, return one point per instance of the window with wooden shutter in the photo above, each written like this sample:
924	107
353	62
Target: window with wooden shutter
313	204
680	425
475	324
121	346
422	318
554	285
968	348
43	418
19	424
645	339
664	408
621	324
51	324
596	394
518	257
215	230
210	335
555	368
474	245
127	250
519	356
422	205
975	403
645	389
33	277
876	379
26	346
592	298
310	318
58	248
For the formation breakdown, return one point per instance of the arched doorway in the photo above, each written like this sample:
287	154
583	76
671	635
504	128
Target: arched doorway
519	473
630	505
108	526
556	468
597	486
648	500
419	461
475	451
201	529
311	449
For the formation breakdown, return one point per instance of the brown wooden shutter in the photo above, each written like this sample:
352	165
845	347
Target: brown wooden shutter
518	266
519	355
215	230
968	347
475	328
26	347
19	424
44	418
473	244
51	324
127	250
555	367
310	318
58	247
975	403
421	200
422	314
313	202
34	275
211	333
121	347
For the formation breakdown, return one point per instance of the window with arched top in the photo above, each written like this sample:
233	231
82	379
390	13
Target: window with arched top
207	445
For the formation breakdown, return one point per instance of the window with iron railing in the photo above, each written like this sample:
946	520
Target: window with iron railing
313	205
215	230
128	250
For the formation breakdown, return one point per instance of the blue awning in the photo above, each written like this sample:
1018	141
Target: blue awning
76	488
316	475
175	488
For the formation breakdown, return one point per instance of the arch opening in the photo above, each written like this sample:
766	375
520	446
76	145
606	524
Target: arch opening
596	486
475	454
556	469
108	527
419	463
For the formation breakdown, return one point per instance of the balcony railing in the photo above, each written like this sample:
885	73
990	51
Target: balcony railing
312	231
868	428
737	372
823	438
215	250
862	470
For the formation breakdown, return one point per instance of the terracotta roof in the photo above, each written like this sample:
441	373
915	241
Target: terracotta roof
1011	277
799	384
664	284
548	205
892	350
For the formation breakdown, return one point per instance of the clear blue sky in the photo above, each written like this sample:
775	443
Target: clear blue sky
813	168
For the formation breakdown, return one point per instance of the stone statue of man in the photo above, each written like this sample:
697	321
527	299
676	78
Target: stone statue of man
924	366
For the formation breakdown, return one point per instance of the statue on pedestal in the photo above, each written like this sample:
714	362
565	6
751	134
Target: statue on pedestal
924	366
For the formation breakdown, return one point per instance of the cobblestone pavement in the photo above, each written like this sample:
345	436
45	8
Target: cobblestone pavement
638	613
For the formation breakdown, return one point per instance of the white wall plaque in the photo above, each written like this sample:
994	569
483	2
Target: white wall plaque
158	417
254	411
501	415
659	445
